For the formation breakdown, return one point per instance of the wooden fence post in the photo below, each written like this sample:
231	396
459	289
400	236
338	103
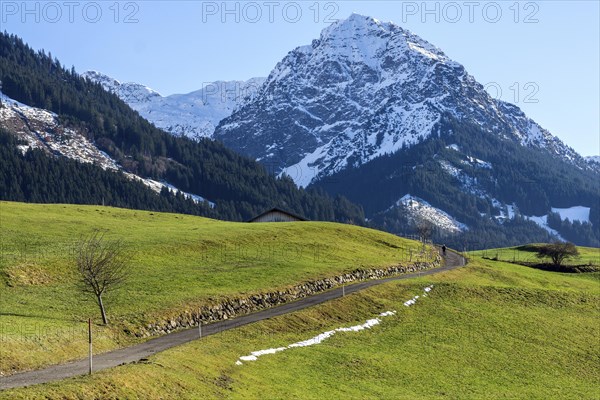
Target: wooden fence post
90	344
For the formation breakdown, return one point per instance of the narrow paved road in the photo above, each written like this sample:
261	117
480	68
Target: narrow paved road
153	346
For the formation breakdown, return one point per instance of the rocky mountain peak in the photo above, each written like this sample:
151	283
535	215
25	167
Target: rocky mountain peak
364	89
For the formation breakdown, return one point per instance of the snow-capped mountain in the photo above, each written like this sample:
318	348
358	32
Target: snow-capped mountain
41	129
194	114
366	88
129	92
371	111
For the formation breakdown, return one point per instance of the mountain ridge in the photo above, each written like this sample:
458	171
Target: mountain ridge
194	115
324	147
364	89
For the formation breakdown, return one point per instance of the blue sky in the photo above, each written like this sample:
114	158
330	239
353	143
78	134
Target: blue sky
541	55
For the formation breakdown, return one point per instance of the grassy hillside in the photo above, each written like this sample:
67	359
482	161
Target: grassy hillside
527	254
178	262
490	330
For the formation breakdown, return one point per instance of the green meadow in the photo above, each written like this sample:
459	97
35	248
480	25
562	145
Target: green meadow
528	254
490	330
177	263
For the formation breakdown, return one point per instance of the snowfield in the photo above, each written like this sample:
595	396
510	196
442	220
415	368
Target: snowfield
576	213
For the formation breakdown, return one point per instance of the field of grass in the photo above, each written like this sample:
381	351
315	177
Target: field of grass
178	262
527	254
491	330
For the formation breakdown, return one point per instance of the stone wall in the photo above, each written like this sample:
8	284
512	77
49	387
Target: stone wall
244	305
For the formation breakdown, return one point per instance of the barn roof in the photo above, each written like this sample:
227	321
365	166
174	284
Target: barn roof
275	209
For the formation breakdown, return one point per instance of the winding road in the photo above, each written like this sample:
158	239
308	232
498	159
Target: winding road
143	350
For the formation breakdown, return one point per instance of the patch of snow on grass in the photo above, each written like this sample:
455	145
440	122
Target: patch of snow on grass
312	341
410	302
326	335
413	301
255	354
387	313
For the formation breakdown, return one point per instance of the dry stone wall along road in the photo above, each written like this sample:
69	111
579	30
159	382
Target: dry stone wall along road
140	351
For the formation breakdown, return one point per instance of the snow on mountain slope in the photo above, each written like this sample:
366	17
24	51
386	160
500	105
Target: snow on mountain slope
593	163
194	114
364	89
576	213
420	210
543	223
130	93
467	183
41	129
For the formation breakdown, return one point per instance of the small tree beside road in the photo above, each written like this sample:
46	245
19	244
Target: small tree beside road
425	232
558	252
102	266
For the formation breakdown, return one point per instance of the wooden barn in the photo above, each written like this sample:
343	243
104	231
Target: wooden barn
277	215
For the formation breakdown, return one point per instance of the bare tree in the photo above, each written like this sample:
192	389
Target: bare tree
102	266
558	252
424	230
